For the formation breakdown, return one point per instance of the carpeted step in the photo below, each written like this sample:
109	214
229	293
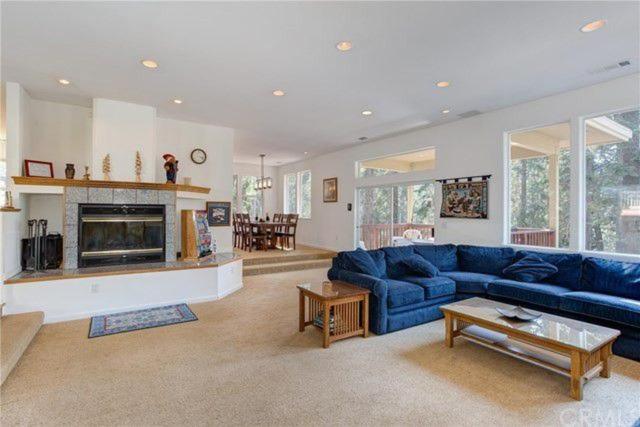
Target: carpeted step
17	331
280	267
284	257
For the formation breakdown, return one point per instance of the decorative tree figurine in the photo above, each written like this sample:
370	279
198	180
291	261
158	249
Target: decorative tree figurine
106	167
138	167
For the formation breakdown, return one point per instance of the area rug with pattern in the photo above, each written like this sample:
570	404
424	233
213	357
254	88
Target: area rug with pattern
140	319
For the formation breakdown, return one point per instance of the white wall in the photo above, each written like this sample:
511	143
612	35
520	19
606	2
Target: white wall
180	138
271	205
12	225
473	146
120	129
61	134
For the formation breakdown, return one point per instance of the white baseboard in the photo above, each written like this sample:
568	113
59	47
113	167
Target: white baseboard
230	291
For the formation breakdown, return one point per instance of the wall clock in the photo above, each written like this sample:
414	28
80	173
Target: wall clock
198	156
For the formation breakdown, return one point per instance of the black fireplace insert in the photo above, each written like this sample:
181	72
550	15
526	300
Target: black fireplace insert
120	234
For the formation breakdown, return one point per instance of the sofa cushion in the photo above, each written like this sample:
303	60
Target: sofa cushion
484	259
363	262
403	293
569	267
442	256
434	287
394	257
378	257
601	306
542	294
611	277
470	283
418	265
529	269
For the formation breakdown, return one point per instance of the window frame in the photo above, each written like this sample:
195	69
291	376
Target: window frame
577	195
298	188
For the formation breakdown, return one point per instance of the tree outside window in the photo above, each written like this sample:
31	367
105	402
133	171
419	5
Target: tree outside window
297	193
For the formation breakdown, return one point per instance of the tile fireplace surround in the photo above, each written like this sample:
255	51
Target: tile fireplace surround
75	195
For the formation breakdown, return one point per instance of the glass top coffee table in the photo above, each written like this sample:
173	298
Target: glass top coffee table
569	347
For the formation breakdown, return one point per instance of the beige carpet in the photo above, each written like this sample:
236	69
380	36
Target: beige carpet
245	363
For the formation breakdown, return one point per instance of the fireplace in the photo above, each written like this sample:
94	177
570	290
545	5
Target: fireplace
120	234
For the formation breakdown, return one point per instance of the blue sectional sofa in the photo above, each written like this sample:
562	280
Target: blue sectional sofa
590	289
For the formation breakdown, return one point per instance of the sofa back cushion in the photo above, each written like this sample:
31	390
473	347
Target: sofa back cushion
379	259
484	259
442	256
394	257
569	267
361	262
611	277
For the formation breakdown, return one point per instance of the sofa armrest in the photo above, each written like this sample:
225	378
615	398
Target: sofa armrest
378	287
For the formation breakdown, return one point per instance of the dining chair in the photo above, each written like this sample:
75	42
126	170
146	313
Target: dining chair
237	231
289	230
250	236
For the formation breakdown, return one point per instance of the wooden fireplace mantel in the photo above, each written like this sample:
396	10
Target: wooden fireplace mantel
58	182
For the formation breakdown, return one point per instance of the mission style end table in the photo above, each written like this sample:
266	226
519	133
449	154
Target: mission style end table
337	308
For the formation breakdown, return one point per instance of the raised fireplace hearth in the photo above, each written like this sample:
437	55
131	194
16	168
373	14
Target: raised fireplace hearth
120	234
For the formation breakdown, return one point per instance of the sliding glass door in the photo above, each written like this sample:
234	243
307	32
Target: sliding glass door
385	214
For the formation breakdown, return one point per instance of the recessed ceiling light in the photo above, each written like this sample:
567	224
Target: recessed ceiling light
344	46
306	152
149	63
63	81
593	26
446	111
443	84
177	101
278	92
367	112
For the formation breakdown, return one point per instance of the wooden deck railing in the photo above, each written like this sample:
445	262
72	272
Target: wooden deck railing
534	237
377	236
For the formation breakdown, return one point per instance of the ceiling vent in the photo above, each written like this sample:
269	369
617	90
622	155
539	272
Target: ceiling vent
468	114
610	67
363	139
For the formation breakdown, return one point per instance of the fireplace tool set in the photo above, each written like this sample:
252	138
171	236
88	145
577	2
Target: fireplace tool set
41	251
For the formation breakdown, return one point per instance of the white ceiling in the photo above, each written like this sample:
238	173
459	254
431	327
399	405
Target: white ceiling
224	60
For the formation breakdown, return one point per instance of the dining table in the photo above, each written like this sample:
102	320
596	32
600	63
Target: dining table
268	227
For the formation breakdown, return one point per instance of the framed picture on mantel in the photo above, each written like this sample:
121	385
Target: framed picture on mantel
38	168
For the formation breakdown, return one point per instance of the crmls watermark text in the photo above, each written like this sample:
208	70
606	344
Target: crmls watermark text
591	417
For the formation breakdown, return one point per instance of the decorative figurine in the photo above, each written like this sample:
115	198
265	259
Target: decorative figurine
106	167
87	175
171	167
70	171
8	200
138	167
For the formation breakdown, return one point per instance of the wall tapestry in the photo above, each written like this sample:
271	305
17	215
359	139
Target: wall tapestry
465	199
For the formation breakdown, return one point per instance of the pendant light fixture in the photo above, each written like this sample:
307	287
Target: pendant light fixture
263	183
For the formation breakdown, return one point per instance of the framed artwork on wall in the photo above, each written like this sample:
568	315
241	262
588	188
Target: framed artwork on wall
219	214
465	200
330	190
38	168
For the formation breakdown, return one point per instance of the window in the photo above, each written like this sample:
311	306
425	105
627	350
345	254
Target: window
607	217
612	173
385	213
398	163
540	178
297	193
246	199
3	171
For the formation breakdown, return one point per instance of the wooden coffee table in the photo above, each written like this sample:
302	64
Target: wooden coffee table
578	350
344	309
